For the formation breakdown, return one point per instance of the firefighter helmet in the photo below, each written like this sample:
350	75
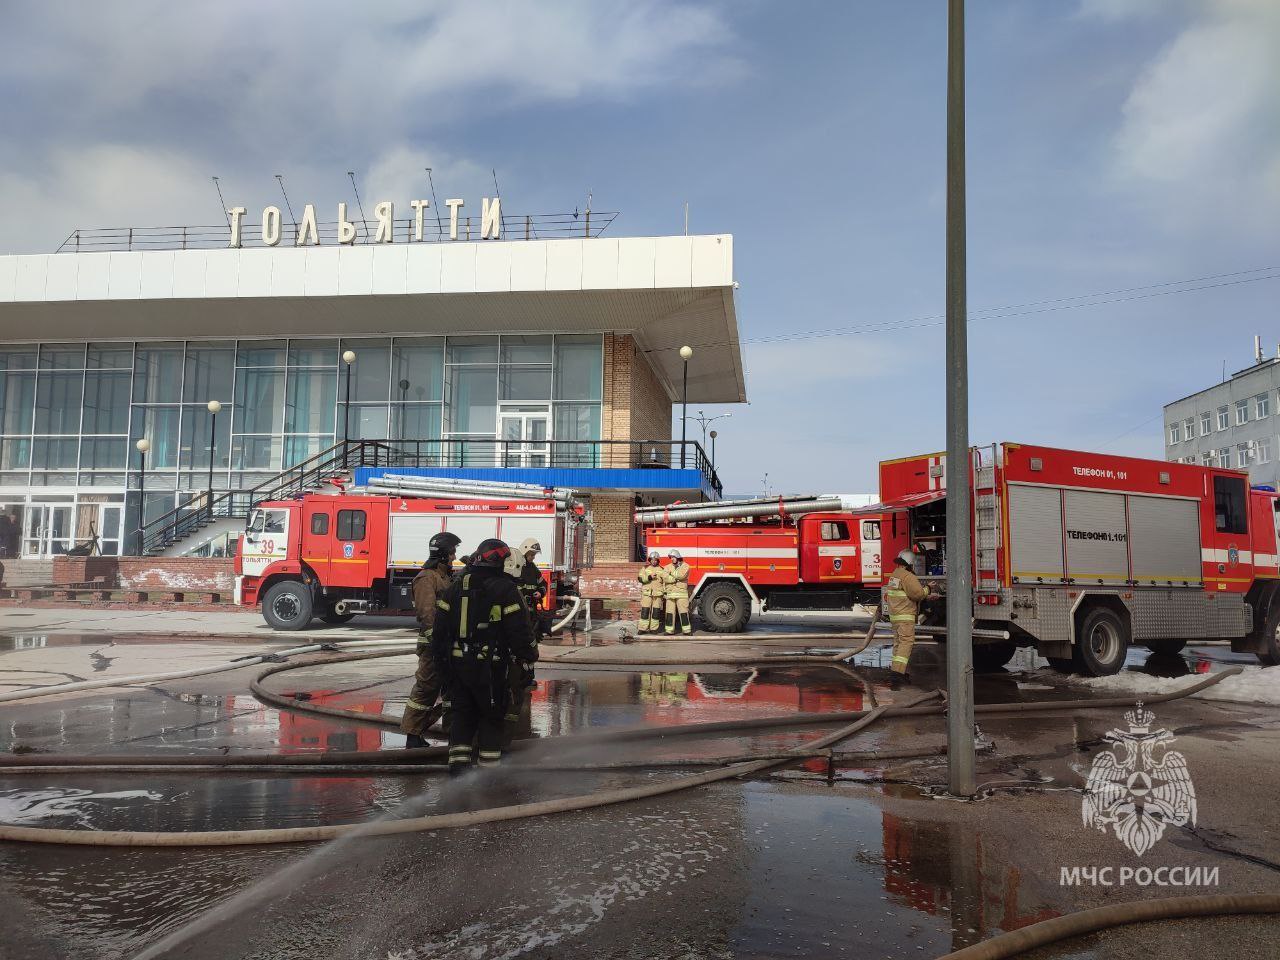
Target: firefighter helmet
675	554
443	544
491	553
654	555
513	566
530	544
906	557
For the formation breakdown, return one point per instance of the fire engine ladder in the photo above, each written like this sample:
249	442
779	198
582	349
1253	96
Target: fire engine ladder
986	521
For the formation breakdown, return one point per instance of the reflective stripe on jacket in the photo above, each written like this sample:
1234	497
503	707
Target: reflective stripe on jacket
902	594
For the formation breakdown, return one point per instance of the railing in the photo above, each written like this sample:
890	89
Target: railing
547	226
199	512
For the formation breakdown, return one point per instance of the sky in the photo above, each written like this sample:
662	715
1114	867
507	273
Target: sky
1113	145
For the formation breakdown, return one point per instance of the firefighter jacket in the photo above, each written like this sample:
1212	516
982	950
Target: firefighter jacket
652	582
481	617
675	579
532	587
427	586
903	592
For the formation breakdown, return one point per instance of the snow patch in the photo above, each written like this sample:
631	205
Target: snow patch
1254	685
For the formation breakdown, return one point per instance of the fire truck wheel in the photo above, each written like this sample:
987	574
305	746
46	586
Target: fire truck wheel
990	657
1269	650
1102	644
287	605
1167	648
328	616
1061	664
724	608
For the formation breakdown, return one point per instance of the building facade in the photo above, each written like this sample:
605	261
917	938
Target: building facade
1230	424
530	360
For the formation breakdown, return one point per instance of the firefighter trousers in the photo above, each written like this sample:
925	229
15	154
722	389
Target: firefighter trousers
650	612
678	609
904	638
477	703
421	710
518	720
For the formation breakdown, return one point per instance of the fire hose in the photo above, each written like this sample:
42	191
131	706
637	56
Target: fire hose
917	706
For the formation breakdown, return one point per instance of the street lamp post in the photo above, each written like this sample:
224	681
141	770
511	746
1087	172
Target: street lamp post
685	353
214	408
713	451
349	358
143	446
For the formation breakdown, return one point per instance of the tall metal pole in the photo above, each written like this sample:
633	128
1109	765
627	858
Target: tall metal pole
214	407
349	358
960	746
685	353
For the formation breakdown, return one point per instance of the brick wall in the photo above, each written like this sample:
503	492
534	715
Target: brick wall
636	407
612	514
613	590
160	574
650	405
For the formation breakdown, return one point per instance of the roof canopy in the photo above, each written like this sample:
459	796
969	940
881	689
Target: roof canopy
665	291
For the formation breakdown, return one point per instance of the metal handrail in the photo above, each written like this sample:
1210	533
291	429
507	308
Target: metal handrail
192	516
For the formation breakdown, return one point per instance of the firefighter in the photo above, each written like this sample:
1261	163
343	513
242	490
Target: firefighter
482	625
518	720
420	709
652	585
532	586
902	593
675	590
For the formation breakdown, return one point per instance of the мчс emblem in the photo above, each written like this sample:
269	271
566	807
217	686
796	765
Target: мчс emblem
1140	789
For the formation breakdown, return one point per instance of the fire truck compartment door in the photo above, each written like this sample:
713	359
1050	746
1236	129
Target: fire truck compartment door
1035	534
357	539
1096	537
516	528
265	541
871	557
1165	540
411	535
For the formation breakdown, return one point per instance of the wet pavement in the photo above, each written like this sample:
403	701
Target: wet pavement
872	861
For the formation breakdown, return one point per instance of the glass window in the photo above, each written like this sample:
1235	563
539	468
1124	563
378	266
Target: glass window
1222	418
371	372
17	401
313	353
299	449
835	530
1189	428
351	524
260	401
1242	412
260	353
1262	406
1224	457
255	453
15	454
1206	424
579	367
196	424
157	373
54	453
1242	455
1229	505
319	524
160	426
526	383
274	521
310	401
1206	459
106	401
575	422
58	401
420	361
1175	433
473	350
1262	450
526	349
18	358
104	453
473	400
209	372
416	421
110	356
870	529
61	356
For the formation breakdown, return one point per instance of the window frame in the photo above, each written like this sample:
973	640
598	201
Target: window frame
346	519
320	529
838	527
1242	412
1230	505
1262	406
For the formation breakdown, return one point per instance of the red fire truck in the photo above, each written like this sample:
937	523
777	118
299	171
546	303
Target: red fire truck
339	555
782	553
1081	554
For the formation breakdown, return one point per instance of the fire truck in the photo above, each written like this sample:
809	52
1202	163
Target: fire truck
336	555
1081	554
780	553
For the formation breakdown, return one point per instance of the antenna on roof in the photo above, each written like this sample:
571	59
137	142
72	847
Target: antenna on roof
439	222
352	175
222	202
280	180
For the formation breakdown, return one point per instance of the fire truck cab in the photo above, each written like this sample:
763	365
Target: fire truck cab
1080	555
336	556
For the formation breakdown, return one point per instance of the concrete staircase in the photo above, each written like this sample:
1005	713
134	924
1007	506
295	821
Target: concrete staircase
26	573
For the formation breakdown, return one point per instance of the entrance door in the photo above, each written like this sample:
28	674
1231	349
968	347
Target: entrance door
48	530
524	432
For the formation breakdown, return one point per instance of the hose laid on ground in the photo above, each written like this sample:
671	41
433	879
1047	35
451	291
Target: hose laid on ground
567	618
80	686
1104	918
441	821
410	756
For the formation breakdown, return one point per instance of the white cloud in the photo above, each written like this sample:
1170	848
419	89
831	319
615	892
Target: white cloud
1200	124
